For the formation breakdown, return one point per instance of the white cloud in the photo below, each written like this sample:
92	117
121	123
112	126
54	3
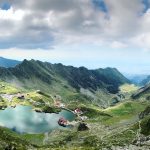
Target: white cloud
11	14
142	40
50	22
117	44
67	27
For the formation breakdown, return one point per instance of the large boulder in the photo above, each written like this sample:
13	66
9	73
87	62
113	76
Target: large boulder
82	126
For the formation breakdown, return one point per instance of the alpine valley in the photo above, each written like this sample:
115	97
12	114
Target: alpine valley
48	106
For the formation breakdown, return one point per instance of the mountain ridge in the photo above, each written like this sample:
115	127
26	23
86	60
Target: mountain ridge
5	62
146	80
68	81
68	72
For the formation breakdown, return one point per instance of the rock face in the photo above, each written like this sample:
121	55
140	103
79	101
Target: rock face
142	140
140	143
144	113
82	127
143	90
129	147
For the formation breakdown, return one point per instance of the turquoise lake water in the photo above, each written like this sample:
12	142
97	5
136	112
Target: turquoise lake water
23	119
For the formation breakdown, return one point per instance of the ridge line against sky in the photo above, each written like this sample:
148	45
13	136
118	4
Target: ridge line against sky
90	33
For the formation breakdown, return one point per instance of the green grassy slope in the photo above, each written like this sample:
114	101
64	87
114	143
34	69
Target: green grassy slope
114	126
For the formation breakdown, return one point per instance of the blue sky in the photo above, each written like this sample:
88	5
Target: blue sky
100	4
146	4
5	6
90	33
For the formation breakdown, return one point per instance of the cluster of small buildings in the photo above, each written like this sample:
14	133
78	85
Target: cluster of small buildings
78	111
62	122
59	104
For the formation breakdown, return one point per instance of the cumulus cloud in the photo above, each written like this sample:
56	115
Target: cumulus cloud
33	24
117	44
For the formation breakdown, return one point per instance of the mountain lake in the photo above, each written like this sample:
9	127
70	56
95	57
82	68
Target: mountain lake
23	119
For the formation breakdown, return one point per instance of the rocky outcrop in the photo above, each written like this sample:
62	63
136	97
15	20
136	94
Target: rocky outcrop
82	127
144	113
141	91
142	140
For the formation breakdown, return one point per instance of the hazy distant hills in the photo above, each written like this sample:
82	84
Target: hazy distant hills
140	80
4	62
146	80
137	79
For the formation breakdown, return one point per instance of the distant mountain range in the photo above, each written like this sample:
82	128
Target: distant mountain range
137	79
146	80
68	81
4	62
